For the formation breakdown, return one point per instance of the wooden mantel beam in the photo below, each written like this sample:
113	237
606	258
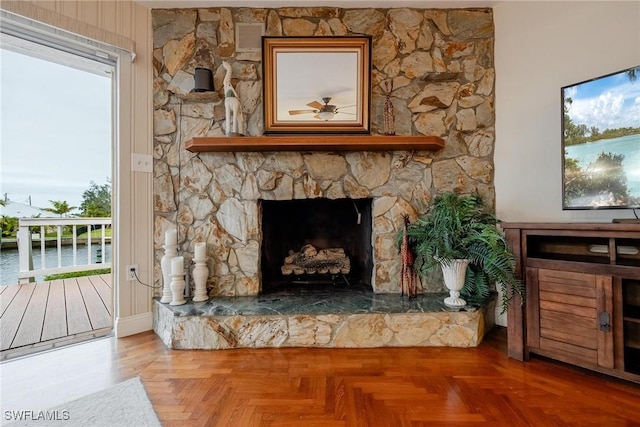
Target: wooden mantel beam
315	143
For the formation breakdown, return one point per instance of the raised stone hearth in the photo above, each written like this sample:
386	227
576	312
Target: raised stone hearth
336	318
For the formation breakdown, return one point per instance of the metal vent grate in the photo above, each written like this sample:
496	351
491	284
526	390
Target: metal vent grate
249	36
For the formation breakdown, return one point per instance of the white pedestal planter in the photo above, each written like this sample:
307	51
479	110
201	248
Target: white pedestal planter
454	274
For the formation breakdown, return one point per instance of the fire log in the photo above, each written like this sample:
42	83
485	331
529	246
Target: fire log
310	260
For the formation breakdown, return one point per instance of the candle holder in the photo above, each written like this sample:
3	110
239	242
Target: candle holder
170	252
200	275
177	281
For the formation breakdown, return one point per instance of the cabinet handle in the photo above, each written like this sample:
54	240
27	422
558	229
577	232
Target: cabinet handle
605	324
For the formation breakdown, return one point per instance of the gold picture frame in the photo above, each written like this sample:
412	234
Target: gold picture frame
316	84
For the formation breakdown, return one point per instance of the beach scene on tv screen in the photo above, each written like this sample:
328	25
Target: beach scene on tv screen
601	142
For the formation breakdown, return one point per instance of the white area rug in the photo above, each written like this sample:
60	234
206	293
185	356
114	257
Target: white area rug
123	405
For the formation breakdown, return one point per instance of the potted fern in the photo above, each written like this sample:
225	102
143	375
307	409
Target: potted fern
458	233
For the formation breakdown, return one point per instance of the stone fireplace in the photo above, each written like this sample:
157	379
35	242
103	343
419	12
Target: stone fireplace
222	199
440	62
221	196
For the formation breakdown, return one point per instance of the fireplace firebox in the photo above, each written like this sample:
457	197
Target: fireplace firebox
332	237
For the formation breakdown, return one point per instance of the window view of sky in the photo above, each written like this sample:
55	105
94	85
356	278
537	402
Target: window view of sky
606	103
55	130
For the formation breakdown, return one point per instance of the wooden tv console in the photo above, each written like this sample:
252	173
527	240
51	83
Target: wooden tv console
583	295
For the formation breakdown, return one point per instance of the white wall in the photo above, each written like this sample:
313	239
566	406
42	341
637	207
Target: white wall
540	47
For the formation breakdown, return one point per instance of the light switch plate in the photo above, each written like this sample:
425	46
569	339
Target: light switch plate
141	162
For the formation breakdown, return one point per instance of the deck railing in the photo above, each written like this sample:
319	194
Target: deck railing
80	247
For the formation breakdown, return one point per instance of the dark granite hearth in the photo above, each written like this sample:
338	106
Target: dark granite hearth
321	299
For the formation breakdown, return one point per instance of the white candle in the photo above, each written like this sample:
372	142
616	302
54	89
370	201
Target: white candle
177	266
200	250
171	237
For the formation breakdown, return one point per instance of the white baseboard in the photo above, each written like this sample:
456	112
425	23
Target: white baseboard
131	325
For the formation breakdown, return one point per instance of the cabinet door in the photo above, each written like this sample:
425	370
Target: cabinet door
567	316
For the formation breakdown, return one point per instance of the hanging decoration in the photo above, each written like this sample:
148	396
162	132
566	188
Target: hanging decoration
389	127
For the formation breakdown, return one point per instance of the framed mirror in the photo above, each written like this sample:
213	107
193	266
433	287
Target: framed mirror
316	84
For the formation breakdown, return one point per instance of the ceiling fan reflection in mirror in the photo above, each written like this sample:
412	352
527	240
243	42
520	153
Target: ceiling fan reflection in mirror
324	111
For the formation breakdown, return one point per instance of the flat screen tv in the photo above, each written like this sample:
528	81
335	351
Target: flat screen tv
601	142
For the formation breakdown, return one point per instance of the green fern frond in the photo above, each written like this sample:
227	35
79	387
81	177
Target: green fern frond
458	227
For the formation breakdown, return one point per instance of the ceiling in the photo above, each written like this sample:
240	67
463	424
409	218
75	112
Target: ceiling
419	4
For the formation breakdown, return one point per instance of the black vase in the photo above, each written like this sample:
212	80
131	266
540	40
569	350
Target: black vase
203	80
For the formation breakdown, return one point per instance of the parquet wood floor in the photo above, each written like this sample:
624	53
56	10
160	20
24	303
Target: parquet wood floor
330	387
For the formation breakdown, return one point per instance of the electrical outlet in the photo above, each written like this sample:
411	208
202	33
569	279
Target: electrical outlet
141	162
132	271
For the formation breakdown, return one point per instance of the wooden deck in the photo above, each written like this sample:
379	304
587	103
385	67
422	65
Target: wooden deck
37	316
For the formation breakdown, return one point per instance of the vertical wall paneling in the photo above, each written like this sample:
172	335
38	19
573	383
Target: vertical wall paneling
143	144
67	8
135	187
80	12
89	13
125	16
124	193
78	17
49	5
107	18
143	202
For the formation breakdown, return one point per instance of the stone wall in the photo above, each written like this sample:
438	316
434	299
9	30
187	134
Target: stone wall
441	66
